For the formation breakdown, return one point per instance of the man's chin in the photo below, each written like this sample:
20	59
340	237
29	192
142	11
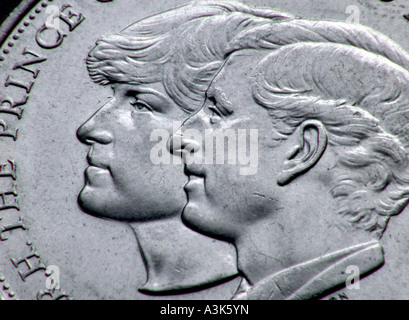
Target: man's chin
198	218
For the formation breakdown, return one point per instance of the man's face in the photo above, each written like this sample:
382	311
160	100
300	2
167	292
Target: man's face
121	181
222	201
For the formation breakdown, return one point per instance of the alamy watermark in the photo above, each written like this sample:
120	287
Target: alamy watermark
53	278
353	280
221	147
354	14
53	286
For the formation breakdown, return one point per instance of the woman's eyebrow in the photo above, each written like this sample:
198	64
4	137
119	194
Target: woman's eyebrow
151	91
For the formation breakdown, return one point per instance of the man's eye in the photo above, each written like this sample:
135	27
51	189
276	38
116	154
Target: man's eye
215	117
141	105
216	113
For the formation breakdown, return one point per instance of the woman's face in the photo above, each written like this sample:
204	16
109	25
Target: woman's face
124	180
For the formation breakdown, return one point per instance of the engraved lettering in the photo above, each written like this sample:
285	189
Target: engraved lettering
23	65
8	169
10	81
343	296
70	17
8	105
6	132
53	295
18	225
339	296
47	32
8	199
32	261
43	43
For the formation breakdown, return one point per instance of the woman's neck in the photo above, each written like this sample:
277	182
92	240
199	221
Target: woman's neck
177	258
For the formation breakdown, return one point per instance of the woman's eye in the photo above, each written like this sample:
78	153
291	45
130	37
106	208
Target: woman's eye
141	105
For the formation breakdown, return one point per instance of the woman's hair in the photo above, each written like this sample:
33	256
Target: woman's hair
182	48
185	48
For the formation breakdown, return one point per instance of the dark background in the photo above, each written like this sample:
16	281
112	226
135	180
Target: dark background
6	7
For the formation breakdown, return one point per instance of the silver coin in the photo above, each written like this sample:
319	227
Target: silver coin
101	200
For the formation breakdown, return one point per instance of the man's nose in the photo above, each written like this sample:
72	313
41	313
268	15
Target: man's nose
95	129
179	145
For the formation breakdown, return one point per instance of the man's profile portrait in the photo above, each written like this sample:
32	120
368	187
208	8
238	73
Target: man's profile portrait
330	102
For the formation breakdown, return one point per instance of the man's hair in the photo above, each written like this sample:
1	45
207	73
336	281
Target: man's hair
363	101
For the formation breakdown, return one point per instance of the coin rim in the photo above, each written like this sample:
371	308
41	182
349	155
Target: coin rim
15	17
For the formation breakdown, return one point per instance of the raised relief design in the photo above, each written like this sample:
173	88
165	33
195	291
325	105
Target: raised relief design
18	225
22	77
9	198
53	294
142	64
8	169
5	291
29	264
329	101
49	37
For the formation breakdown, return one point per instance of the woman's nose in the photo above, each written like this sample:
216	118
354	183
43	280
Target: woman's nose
95	130
180	143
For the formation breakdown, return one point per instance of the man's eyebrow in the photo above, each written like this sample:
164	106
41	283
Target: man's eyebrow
223	104
211	92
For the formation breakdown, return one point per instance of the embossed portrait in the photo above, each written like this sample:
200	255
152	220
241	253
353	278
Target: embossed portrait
159	69
331	106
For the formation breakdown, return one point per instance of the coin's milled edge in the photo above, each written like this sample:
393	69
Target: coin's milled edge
5	292
15	17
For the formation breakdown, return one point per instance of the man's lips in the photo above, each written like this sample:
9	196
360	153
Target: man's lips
96	161
96	169
196	179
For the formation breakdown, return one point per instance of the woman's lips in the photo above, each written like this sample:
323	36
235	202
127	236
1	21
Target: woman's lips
194	185
92	173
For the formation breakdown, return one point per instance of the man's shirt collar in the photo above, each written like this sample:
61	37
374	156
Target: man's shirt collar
313	278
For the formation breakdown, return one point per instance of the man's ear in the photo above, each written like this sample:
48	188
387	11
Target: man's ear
310	143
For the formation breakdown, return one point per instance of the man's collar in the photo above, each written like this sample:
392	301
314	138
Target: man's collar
313	278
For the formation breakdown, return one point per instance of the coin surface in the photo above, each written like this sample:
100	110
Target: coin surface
86	211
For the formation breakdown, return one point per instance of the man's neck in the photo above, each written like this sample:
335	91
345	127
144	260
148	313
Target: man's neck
269	247
260	252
